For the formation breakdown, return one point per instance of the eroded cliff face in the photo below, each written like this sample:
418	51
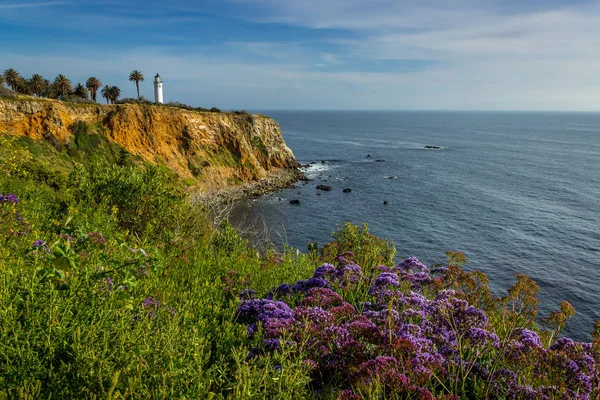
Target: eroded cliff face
212	149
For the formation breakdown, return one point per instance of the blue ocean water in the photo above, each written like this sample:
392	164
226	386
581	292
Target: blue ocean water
519	193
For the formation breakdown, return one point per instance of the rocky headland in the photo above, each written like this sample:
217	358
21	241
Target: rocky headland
220	156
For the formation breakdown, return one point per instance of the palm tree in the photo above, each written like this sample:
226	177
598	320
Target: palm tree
106	93
81	91
137	77
93	84
64	86
36	84
46	89
1	80
12	78
115	92
23	86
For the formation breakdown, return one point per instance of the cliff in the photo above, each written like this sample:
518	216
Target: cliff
210	151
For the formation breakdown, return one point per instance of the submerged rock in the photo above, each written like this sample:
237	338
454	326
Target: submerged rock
294	201
433	147
324	187
347	190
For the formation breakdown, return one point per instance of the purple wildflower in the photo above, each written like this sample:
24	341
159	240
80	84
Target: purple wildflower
109	283
482	337
325	271
380	287
529	338
322	297
564	344
9	198
150	302
305	286
40	244
411	264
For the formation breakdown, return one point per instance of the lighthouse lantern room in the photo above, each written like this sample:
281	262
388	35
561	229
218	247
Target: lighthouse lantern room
158	89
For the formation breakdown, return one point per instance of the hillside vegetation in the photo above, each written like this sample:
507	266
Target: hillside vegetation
114	285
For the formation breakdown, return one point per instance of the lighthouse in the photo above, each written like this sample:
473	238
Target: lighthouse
158	94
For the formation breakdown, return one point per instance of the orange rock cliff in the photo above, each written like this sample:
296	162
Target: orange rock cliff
215	150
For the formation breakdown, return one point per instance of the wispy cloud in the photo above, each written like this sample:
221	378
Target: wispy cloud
4	6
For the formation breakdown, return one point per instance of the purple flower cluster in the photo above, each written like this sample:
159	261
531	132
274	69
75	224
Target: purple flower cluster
12	225
411	336
96	238
41	244
9	198
153	306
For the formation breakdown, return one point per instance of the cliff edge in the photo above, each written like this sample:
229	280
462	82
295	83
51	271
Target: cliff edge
210	151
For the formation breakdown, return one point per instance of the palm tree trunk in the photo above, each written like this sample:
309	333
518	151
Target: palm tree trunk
137	84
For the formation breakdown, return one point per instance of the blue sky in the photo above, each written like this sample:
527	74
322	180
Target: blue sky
320	54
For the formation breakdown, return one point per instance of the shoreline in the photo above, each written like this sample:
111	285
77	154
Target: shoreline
282	178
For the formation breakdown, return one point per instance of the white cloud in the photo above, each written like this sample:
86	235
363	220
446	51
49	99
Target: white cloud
31	5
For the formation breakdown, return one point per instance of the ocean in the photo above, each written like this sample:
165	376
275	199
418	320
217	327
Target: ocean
518	192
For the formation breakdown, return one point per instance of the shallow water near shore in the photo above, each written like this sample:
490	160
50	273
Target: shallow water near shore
517	192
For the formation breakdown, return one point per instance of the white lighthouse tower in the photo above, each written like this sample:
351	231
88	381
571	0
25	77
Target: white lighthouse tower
158	93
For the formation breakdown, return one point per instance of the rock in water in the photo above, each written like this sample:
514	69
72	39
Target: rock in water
347	190
385	203
324	187
294	201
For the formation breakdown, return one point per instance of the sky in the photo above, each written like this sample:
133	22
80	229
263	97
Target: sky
319	54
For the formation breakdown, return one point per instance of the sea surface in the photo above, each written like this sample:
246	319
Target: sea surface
519	193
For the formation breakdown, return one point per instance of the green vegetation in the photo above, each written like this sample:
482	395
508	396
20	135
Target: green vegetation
111	94
93	84
51	162
137	77
114	285
260	146
62	88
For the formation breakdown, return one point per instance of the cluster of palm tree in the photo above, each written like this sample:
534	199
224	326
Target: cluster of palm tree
111	94
62	87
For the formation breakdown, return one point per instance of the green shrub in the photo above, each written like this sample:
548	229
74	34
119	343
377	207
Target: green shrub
369	250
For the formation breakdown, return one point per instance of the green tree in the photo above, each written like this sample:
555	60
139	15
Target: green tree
93	84
81	91
12	78
37	84
1	80
23	86
115	93
106	93
137	77
46	89
64	86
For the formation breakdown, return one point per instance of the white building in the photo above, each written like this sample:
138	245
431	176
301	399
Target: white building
158	93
